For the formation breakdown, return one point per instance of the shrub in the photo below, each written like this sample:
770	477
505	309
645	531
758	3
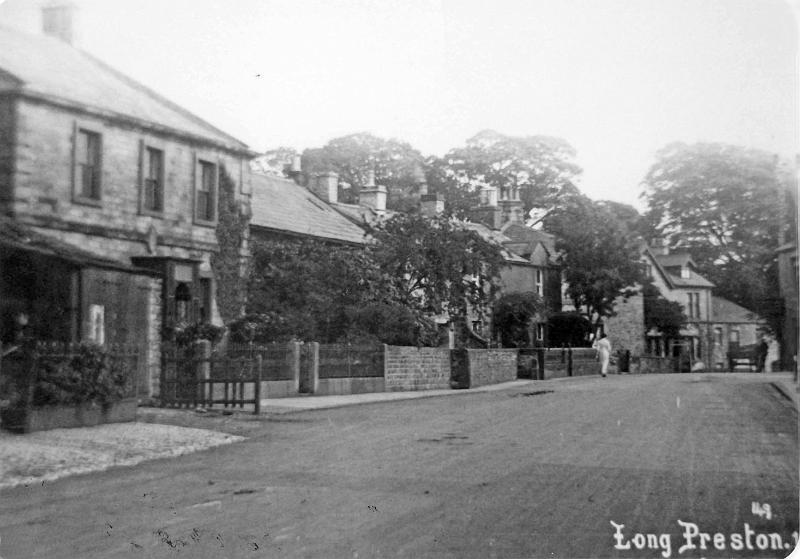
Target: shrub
512	315
569	328
88	375
185	334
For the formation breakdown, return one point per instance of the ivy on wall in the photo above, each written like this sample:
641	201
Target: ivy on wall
229	269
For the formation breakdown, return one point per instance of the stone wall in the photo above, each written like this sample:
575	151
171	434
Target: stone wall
412	368
650	365
584	362
555	363
626	330
354	385
491	366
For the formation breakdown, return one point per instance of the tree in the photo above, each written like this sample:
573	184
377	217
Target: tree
276	162
459	198
397	165
539	168
436	266
569	328
725	204
306	289
512	315
600	261
665	316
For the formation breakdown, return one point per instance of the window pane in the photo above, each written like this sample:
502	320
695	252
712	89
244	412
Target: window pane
88	181
153	187
81	149
202	205
87	154
206	191
92	149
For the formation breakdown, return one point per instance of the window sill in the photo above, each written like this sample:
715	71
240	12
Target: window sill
205	223
83	200
152	213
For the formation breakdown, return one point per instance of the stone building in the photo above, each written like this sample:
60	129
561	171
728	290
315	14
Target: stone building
282	209
93	160
714	325
529	253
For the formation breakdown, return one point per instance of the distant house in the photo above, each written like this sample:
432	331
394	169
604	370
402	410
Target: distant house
309	207
733	327
109	194
529	253
714	326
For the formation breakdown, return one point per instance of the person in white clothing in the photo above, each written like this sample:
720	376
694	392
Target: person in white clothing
603	347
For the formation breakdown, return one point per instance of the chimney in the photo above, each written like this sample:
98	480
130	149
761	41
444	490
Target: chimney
373	196
488	195
659	247
488	213
420	182
326	186
58	20
431	205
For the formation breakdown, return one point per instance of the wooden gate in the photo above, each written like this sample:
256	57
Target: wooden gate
190	378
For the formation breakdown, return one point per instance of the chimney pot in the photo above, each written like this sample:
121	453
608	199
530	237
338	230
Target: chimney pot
370	179
326	186
58	21
373	197
296	164
431	205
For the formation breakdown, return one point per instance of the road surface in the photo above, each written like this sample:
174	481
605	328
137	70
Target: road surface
626	466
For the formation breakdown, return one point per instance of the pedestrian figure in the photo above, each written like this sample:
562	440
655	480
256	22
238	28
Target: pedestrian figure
603	347
763	350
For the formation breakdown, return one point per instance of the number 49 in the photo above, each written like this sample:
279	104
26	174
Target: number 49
761	510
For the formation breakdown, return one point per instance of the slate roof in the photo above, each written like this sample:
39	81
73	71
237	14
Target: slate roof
681	259
723	310
498	238
695	281
15	236
519	233
282	205
48	68
675	259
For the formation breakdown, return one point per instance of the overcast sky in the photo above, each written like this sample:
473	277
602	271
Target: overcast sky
617	79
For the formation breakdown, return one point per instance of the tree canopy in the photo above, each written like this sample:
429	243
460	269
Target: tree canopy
537	168
397	165
386	291
600	260
660	313
726	205
436	265
511	317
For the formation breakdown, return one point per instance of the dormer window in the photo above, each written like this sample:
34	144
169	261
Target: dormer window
685	273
